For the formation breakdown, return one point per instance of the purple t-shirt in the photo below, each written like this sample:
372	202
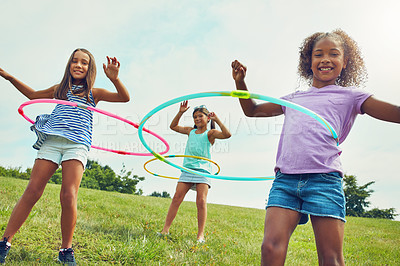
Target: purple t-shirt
305	145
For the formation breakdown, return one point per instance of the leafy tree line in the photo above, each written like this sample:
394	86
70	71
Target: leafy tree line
94	177
164	194
104	178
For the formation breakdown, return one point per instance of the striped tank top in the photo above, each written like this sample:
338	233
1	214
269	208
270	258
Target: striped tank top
73	123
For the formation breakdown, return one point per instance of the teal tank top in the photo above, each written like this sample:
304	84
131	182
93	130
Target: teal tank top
198	145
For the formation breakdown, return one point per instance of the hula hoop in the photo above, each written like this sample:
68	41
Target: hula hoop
237	94
173	156
97	110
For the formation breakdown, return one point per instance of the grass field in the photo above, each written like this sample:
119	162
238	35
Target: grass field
115	228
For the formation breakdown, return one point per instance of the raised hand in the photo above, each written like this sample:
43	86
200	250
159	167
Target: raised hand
5	75
238	71
183	107
112	68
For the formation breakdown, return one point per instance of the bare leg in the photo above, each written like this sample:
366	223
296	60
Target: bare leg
180	193
201	202
279	226
72	171
42	171
329	234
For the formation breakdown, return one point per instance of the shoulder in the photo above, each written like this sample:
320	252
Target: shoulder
189	130
338	92
356	95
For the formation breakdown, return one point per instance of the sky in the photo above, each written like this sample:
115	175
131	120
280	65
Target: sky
173	48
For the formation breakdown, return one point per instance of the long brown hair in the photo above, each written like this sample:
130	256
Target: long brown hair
66	82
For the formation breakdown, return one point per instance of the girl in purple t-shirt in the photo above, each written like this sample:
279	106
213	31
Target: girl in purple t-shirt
308	169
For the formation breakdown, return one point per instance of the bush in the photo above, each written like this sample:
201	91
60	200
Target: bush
94	177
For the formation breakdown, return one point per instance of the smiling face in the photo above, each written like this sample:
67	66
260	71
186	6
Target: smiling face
200	119
79	67
327	62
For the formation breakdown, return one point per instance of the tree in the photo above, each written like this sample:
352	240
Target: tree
164	194
356	197
356	200
104	178
127	183
378	213
16	172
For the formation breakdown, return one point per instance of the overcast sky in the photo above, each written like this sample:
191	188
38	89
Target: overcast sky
173	48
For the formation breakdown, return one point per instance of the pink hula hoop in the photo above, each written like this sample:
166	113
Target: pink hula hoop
97	110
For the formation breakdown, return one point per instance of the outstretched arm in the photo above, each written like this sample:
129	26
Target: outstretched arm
26	90
381	110
174	123
111	71
249	106
217	134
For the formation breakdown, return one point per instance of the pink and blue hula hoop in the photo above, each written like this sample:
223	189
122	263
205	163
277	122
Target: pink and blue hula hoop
97	110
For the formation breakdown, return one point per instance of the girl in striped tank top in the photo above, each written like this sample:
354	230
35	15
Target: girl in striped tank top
199	143
64	138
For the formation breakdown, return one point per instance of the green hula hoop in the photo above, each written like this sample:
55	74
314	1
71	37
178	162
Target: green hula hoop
236	94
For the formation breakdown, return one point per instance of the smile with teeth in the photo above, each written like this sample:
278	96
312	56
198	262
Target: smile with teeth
325	68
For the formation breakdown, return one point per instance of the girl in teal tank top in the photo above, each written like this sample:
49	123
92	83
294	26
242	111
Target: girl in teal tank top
199	143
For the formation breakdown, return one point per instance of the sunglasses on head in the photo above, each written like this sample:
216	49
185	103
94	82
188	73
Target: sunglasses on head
200	107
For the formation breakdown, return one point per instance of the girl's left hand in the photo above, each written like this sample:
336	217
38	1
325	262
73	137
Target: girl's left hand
112	68
212	116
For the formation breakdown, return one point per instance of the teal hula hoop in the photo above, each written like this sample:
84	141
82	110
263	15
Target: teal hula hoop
237	94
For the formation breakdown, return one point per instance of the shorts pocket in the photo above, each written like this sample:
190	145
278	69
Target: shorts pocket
332	177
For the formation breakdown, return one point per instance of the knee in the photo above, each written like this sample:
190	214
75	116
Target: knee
201	202
68	198
331	258
272	249
32	194
177	199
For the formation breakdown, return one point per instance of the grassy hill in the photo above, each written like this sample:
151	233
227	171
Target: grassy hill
115	228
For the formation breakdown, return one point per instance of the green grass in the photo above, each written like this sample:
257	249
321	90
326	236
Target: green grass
115	228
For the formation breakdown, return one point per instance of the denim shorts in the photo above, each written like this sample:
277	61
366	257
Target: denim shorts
59	149
309	194
194	179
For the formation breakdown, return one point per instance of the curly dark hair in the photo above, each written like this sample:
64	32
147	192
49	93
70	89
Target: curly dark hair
355	74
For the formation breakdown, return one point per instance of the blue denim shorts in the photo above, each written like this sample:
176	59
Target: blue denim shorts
309	194
58	149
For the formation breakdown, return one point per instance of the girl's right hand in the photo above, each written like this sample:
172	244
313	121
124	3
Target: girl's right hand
184	107
5	75
238	71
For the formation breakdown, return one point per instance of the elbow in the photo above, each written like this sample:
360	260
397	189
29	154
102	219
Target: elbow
126	99
249	114
33	96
